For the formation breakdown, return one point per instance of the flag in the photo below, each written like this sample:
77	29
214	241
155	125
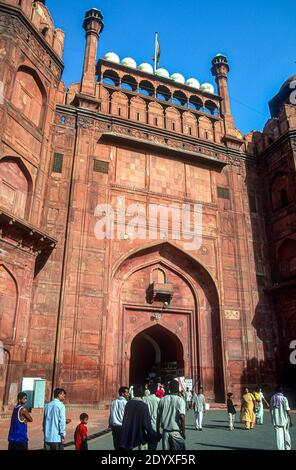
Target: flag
157	52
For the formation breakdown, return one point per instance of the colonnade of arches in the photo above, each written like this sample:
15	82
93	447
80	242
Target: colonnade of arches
160	92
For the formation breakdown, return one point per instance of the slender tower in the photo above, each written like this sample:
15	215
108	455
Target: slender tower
220	70
93	25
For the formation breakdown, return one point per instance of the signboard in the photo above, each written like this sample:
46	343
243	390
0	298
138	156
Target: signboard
188	383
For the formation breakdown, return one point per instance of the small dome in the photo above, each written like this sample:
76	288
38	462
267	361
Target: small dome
129	62
207	87
177	77
146	68
162	73
112	57
193	83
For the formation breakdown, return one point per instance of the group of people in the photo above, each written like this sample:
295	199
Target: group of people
54	424
141	417
139	423
252	413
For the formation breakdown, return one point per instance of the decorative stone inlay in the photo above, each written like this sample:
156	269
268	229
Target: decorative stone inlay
232	314
85	123
157	316
204	250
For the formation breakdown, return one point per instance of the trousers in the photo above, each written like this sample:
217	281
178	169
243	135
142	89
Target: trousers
199	419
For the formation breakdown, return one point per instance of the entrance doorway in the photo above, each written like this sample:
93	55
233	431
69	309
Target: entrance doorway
156	353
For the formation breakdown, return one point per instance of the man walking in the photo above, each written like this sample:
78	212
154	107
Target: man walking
188	398
18	432
54	421
199	406
117	413
152	401
281	419
136	429
171	419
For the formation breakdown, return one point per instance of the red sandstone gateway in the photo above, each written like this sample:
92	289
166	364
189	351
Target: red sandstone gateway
89	314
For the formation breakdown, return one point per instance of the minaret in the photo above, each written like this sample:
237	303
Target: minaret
220	70
93	25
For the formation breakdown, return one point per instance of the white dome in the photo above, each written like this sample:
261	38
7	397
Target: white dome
129	62
207	87
177	77
112	57
146	68
162	73
193	83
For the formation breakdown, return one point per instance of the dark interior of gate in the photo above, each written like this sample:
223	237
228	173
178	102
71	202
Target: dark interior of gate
156	353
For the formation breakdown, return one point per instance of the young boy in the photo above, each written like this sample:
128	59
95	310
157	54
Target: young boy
231	411
18	432
80	436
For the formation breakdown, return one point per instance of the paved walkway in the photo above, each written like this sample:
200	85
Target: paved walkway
216	435
98	421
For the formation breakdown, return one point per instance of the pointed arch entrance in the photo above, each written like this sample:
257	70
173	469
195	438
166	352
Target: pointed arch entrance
161	297
156	352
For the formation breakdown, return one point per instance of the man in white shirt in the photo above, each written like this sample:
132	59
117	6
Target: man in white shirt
152	401
199	406
117	413
188	398
281	419
171	419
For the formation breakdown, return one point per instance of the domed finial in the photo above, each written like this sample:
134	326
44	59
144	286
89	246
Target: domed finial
93	16
219	61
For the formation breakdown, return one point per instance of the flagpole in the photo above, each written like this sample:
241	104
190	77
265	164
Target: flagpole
155	53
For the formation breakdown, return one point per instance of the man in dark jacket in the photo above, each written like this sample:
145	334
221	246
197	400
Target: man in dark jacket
136	429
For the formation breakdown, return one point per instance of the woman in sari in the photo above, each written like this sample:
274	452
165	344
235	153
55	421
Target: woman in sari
259	409
247	411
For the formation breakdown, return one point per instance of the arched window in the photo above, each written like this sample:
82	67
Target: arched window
163	93
138	110
8	303
111	78
158	276
15	187
287	259
279	188
155	115
119	105
205	128
29	95
195	103
211	108
146	88
189	124
129	83
173	120
179	98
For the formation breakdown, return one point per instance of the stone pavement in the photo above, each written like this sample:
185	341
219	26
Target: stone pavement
216	435
98	421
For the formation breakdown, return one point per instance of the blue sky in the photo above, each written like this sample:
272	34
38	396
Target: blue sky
257	36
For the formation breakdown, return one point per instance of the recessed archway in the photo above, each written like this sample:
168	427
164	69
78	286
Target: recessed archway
192	315
156	350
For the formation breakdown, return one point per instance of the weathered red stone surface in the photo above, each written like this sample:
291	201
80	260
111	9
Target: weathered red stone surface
76	310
